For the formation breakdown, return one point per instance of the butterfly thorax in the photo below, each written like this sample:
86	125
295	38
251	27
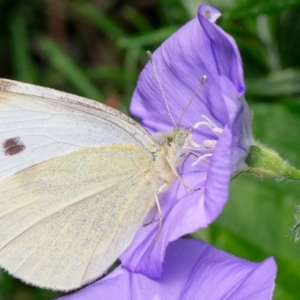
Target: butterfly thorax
171	150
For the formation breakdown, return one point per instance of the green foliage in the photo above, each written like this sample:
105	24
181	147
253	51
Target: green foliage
98	51
253	8
60	61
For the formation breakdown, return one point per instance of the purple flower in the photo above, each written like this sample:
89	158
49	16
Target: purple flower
221	121
192	270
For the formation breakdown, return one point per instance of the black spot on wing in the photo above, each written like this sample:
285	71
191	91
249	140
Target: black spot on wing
13	146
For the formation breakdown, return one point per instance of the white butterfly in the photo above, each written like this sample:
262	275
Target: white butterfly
77	179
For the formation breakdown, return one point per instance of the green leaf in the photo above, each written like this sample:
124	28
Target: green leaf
107	73
74	75
100	19
172	12
276	84
254	8
131	59
137	19
153	38
23	65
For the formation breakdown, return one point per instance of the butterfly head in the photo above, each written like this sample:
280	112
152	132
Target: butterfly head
174	145
181	137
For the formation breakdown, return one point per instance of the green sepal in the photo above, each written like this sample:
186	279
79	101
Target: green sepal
266	163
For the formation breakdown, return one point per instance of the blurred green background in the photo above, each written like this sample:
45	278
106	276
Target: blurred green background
97	48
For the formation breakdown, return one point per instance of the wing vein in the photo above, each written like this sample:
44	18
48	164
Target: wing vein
61	208
61	185
132	180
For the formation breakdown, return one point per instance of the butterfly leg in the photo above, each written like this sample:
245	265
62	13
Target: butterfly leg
180	179
152	218
159	215
157	205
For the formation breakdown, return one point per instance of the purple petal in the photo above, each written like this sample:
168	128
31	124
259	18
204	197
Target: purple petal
198	48
181	62
218	177
225	51
192	270
211	13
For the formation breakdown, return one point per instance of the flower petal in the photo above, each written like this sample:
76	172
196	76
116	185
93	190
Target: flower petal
192	270
211	13
218	177
226	54
181	62
198	48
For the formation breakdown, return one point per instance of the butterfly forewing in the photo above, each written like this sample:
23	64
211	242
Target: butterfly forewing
34	128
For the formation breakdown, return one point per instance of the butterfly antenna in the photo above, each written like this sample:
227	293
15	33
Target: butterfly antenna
160	86
203	80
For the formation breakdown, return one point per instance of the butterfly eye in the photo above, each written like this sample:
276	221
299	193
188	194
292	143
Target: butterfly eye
180	138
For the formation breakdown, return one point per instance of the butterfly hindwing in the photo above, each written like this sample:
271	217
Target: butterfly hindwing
60	227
